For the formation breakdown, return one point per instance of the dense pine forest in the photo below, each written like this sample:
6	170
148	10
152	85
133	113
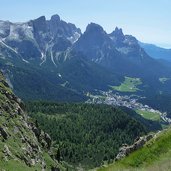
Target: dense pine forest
86	134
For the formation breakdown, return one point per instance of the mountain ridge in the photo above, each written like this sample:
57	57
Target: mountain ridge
56	47
156	51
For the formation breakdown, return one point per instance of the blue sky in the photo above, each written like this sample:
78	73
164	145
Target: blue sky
148	20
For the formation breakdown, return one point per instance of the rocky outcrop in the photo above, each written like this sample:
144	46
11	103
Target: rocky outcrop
48	140
125	150
20	138
7	152
3	133
55	169
33	40
36	131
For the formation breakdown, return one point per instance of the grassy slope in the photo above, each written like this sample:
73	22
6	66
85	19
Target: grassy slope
129	85
16	128
155	155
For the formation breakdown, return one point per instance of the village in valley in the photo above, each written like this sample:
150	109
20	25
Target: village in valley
131	102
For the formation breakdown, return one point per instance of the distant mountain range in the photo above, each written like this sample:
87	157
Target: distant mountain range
53	60
156	52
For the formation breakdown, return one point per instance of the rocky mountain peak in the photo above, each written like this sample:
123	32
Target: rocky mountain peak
39	24
41	19
95	43
55	18
131	40
94	37
93	27
117	36
4	28
118	32
39	37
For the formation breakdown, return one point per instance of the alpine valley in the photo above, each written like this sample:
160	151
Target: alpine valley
86	94
53	60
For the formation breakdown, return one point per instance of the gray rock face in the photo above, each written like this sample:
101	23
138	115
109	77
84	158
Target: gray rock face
58	27
128	45
117	37
3	133
125	150
33	40
48	140
39	24
96	45
19	136
5	28
93	28
7	153
55	18
36	131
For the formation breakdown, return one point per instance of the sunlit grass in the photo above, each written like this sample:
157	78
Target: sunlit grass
129	85
154	156
149	115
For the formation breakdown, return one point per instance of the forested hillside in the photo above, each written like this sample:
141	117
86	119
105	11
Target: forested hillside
86	134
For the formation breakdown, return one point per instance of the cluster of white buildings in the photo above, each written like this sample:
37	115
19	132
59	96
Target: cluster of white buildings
126	101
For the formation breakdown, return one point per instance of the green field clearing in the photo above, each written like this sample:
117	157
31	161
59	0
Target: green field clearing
149	115
129	85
